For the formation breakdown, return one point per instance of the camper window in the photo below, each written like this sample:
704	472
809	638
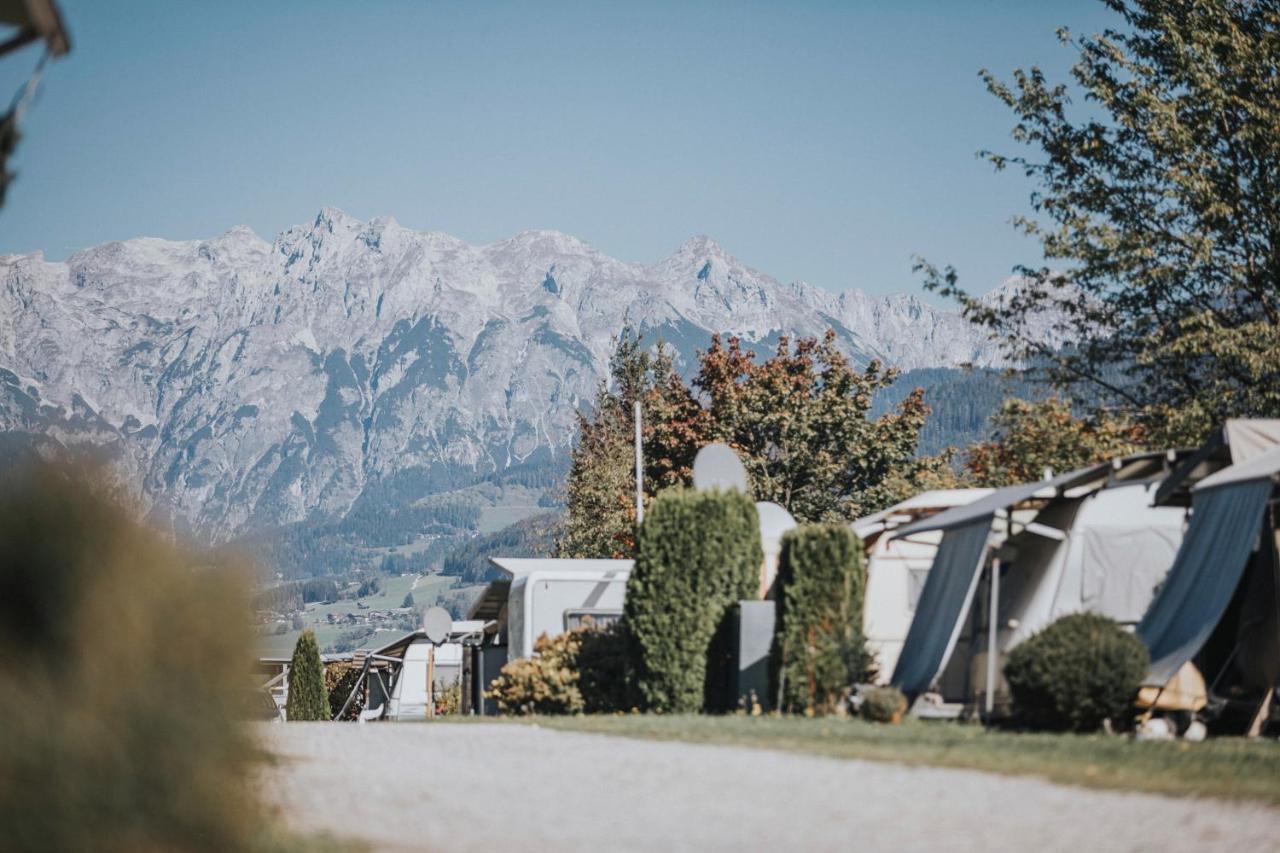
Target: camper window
575	619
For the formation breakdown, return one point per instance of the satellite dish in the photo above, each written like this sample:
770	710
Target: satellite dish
437	624
774	521
717	467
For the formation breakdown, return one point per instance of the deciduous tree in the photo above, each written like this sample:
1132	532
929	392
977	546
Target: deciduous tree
799	420
1157	205
601	484
1030	437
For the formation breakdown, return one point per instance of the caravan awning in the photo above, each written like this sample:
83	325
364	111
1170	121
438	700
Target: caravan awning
923	504
947	594
1007	498
1227	512
1236	441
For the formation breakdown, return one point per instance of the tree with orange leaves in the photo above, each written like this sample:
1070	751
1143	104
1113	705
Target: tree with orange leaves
799	420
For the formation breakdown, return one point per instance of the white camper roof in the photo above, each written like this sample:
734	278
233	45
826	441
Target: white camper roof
518	567
1005	499
1135	468
938	499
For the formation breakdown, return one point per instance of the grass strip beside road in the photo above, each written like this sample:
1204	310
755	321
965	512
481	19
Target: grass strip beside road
1221	768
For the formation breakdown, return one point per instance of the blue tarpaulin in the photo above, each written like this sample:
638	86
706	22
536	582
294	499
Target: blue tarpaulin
945	596
1225	522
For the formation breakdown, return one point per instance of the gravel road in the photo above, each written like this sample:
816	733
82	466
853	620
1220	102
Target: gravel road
514	787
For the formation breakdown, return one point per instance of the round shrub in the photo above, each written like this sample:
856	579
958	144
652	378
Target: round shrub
699	552
1079	671
883	705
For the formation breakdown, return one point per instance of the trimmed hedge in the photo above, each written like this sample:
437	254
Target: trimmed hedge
308	699
1081	670
818	638
698	553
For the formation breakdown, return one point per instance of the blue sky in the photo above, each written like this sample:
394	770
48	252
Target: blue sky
819	141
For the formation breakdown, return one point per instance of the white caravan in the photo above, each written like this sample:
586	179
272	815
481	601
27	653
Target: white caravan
897	568
549	596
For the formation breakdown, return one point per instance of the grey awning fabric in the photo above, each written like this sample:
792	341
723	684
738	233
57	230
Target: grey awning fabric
945	597
1215	550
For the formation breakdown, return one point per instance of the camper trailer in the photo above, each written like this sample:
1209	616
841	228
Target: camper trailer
897	568
549	596
1011	563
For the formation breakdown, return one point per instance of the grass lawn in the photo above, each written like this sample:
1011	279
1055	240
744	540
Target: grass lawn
1224	768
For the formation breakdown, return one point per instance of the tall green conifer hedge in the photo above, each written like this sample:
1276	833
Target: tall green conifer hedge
820	646
699	552
308	699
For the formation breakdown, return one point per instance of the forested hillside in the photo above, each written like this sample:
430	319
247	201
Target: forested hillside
962	402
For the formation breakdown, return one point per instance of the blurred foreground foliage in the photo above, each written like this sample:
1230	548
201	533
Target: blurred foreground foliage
125	666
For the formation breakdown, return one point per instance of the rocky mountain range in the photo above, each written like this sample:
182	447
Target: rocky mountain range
239	385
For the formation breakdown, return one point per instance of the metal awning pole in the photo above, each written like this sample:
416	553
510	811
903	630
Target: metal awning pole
992	635
431	676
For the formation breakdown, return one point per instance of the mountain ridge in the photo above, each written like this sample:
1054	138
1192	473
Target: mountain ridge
238	384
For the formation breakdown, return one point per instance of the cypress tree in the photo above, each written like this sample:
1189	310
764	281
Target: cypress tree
819	642
699	552
307	697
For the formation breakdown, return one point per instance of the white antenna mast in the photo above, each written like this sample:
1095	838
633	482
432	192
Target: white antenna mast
639	466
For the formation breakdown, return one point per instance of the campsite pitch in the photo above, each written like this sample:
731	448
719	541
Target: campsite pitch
513	786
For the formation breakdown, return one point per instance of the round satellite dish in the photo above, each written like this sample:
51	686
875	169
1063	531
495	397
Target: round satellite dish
774	520
437	624
717	467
